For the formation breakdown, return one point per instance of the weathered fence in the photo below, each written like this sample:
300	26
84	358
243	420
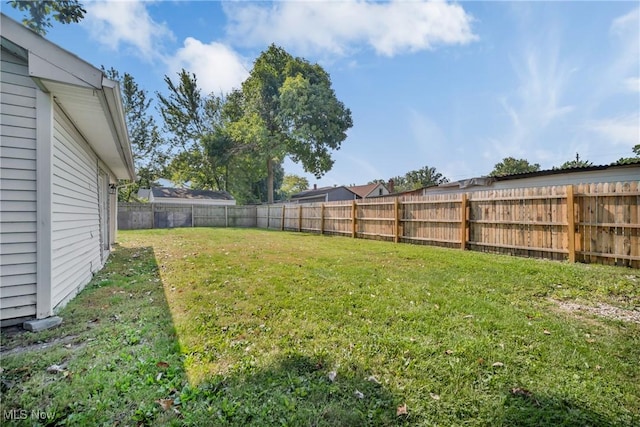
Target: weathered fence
594	223
132	216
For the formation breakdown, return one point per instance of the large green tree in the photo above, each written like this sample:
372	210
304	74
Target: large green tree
192	122
147	145
412	180
206	153
292	184
511	165
40	12
290	109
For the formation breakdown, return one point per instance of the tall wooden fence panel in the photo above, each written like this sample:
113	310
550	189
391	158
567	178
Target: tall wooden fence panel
432	220
525	221
135	216
608	223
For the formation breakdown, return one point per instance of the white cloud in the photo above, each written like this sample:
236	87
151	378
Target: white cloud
632	84
626	23
339	27
128	23
218	68
620	130
538	102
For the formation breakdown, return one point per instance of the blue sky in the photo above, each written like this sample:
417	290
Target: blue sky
456	86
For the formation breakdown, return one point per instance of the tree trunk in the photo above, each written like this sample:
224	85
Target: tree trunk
269	180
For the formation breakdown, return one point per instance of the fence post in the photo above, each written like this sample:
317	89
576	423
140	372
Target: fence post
153	216
226	216
193	218
282	223
571	224
396	212
322	218
299	217
464	221
353	219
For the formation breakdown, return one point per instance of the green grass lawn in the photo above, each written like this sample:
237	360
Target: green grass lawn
249	327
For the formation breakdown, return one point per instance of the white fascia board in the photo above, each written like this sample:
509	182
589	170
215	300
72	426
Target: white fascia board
113	99
51	58
41	68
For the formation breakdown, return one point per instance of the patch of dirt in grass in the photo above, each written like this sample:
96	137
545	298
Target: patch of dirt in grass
601	310
20	349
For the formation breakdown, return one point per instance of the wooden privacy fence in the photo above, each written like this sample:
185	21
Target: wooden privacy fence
594	223
133	216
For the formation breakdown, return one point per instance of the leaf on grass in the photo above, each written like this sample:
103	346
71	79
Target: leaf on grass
546	332
498	365
402	410
480	361
373	379
163	365
159	376
166	404
434	396
358	394
519	391
332	376
448	351
56	369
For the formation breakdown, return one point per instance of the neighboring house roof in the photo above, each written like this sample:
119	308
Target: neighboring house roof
185	193
359	191
561	176
92	101
548	172
365	190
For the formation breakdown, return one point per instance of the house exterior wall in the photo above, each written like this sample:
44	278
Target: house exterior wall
340	193
318	199
75	211
620	174
18	149
380	190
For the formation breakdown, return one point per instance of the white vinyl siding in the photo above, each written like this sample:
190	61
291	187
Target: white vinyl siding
17	189
75	217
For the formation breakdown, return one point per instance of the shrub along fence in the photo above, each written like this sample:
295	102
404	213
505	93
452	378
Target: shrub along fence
593	223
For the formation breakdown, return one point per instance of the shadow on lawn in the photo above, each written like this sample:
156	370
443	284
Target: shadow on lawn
522	408
297	391
115	356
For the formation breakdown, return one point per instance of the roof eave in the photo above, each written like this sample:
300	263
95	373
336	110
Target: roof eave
59	72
